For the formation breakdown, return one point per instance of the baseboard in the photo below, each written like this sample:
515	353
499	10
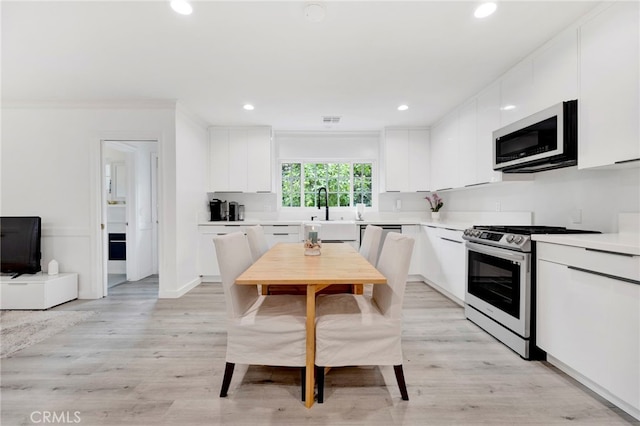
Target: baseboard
181	291
444	292
628	408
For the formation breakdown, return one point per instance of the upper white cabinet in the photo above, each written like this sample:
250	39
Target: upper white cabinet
467	143
444	154
609	87
516	88
240	159
488	120
555	72
406	158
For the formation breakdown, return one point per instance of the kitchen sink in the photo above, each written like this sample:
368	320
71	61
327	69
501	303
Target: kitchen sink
337	230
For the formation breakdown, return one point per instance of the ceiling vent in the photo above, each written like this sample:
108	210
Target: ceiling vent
331	119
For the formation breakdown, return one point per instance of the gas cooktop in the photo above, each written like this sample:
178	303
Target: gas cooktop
514	237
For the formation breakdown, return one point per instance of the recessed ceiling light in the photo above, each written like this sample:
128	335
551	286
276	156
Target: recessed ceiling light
485	9
403	107
182	7
314	12
248	107
508	107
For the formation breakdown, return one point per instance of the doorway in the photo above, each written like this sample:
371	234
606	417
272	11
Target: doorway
129	211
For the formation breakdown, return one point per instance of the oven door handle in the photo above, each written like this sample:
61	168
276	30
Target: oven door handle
502	253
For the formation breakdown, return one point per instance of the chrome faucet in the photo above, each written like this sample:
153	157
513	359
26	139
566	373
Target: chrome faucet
326	201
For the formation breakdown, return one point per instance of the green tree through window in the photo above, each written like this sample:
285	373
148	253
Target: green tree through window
347	183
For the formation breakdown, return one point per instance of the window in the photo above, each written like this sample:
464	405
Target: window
347	183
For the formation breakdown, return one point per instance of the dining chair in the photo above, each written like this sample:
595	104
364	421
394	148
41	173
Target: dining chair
259	246
370	244
369	248
261	330
356	330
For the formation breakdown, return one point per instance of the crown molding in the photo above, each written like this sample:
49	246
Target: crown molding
91	104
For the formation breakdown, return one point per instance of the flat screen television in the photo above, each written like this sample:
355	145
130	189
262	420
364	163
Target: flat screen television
20	244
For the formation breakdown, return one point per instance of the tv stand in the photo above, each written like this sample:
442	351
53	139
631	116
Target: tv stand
37	291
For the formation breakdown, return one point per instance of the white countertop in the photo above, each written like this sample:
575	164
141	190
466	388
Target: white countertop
627	243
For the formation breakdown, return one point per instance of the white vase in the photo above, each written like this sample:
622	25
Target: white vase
435	216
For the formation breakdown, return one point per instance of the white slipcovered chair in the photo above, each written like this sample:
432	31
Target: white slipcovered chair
370	244
257	241
259	246
360	330
261	330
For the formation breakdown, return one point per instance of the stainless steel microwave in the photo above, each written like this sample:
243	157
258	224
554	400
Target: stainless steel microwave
543	141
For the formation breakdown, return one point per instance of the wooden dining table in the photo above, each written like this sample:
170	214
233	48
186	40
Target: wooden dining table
286	264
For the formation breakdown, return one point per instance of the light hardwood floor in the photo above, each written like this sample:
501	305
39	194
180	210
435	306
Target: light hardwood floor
144	361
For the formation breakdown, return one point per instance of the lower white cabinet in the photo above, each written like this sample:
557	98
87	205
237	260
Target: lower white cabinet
451	255
38	291
413	231
207	259
443	261
282	234
588	319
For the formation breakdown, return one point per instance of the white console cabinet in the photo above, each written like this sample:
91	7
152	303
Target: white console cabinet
38	291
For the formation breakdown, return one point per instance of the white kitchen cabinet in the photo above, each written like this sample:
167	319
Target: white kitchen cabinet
429	254
516	92
406	160
451	256
282	234
555	72
259	159
467	143
588	319
413	231
608	105
444	154
207	261
488	120
240	159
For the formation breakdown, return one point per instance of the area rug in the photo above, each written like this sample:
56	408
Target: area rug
21	329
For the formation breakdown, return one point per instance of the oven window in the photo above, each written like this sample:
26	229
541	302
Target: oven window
496	281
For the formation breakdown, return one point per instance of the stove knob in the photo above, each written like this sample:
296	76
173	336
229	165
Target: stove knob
477	233
518	239
510	238
466	232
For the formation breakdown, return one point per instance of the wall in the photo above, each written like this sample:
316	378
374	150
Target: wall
191	178
51	168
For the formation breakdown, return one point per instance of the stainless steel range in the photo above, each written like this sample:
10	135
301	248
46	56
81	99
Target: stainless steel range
500	288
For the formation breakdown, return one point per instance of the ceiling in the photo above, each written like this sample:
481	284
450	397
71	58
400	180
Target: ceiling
361	62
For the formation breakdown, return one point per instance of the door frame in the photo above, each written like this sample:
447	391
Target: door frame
99	195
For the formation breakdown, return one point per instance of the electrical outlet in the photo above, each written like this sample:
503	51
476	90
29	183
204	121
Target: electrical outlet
576	216
398	204
498	206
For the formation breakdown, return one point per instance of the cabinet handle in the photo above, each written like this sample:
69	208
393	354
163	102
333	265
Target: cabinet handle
443	189
232	225
609	252
391	191
431	226
602	274
476	184
450	240
423	190
263	192
280	225
627	161
280	233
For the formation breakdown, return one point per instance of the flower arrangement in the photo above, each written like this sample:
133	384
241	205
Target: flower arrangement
436	202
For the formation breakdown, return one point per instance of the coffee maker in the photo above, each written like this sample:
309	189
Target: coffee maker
218	210
233	211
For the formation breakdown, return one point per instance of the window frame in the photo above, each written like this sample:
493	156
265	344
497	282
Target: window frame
350	161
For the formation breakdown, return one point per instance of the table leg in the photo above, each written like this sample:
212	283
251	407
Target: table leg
311	346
